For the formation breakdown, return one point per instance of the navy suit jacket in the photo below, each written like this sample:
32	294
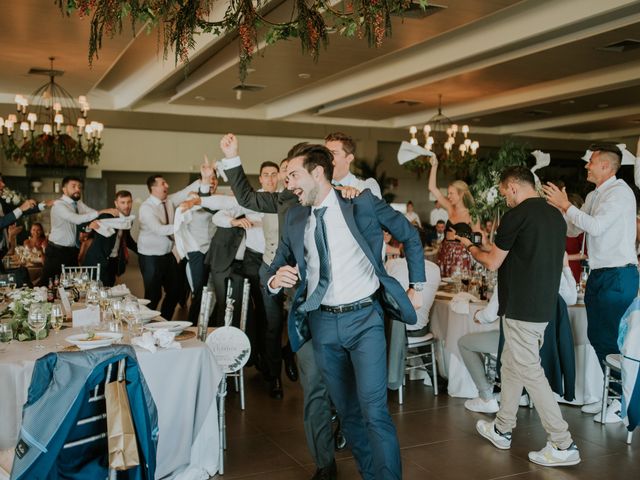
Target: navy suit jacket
366	217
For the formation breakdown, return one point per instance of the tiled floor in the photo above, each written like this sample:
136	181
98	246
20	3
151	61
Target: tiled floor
437	438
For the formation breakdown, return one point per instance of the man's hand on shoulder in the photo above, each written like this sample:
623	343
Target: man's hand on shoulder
229	145
243	222
111	211
348	192
415	297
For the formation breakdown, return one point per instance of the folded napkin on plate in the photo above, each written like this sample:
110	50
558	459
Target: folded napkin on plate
460	302
161	338
119	290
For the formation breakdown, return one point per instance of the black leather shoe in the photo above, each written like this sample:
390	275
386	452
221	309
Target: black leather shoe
275	388
290	367
326	473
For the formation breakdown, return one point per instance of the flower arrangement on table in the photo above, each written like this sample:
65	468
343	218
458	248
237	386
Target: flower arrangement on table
18	311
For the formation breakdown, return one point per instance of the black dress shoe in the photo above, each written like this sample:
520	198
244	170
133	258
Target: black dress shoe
290	367
326	473
275	388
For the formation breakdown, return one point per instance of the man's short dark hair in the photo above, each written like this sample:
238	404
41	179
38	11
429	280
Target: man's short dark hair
518	174
317	156
151	180
611	151
269	164
293	151
123	194
440	222
70	178
348	145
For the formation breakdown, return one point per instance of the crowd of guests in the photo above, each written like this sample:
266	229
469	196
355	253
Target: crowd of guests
313	242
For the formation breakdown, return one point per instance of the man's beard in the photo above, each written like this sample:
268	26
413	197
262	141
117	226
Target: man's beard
311	197
76	196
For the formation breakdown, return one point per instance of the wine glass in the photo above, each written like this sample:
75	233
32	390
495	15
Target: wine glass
6	335
103	298
56	319
584	276
132	316
117	307
92	297
37	320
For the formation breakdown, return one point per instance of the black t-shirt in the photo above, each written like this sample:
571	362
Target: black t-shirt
534	234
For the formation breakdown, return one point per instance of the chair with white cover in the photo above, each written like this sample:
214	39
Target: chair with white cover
422	349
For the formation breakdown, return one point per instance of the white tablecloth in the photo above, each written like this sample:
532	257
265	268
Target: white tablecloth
183	384
448	326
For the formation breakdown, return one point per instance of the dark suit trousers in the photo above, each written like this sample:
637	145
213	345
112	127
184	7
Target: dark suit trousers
160	272
351	352
56	256
199	274
274	316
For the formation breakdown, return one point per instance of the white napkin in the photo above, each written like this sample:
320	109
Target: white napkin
408	152
460	302
119	291
108	226
183	238
161	338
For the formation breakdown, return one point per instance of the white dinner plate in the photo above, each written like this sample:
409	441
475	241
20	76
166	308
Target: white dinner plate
446	279
176	326
144	301
99	339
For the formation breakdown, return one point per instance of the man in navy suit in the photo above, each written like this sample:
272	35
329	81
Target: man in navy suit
331	248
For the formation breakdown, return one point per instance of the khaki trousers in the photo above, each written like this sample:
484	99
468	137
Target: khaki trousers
521	368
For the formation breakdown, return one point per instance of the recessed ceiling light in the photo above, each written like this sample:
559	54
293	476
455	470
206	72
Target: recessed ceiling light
567	102
200	98
602	105
304	76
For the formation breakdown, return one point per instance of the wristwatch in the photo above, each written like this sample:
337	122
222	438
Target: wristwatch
418	286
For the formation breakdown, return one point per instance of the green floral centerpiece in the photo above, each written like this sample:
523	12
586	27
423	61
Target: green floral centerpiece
18	311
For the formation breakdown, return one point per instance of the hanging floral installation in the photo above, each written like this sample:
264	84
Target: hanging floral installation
179	21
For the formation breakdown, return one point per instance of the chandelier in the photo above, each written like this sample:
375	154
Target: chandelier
441	135
50	128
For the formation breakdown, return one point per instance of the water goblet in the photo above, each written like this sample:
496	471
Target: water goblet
56	319
6	335
37	320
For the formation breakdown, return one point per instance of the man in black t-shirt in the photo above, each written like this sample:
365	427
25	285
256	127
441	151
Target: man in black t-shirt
527	253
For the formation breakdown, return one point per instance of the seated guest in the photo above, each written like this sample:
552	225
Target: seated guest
37	239
457	203
412	216
437	214
392	249
473	346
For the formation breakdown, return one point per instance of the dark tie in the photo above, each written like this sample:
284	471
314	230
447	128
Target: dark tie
78	230
166	212
320	235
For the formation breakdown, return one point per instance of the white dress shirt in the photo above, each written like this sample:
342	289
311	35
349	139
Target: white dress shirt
413	218
350	180
154	237
438	214
608	217
398	269
352	274
64	220
254	236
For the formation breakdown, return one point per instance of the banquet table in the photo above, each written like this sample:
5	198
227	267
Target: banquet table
448	327
183	384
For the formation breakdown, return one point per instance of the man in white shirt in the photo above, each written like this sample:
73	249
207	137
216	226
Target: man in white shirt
67	215
343	149
608	218
437	214
158	264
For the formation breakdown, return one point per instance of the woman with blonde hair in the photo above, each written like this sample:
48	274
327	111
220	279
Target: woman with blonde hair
458	201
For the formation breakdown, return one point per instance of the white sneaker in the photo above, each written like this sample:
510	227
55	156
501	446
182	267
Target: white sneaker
611	415
592	408
489	431
482	406
524	400
551	456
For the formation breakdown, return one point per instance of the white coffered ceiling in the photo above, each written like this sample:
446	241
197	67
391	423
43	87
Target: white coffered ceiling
532	67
